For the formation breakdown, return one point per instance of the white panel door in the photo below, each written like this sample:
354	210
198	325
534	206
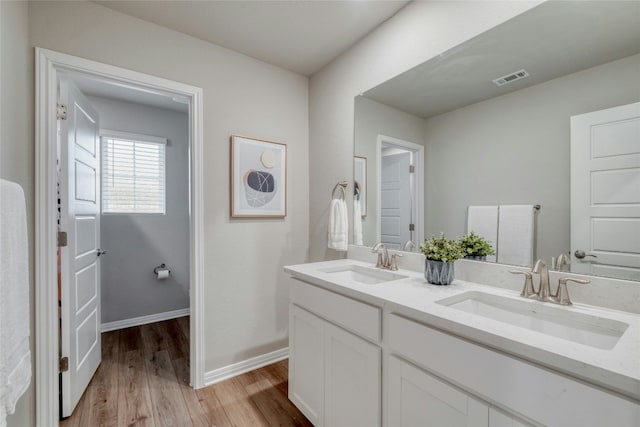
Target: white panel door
416	398
605	192
79	180
395	200
306	363
352	380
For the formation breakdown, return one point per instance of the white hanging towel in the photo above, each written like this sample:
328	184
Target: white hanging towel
15	354
483	220
338	225
515	235
357	222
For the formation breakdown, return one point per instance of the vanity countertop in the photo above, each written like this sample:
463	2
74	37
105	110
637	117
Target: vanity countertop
617	369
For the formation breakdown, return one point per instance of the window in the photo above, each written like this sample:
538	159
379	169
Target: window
133	173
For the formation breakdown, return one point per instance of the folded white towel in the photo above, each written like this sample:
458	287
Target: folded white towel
515	235
483	220
357	222
338	237
15	356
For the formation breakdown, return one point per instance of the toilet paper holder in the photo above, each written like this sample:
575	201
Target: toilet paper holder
162	266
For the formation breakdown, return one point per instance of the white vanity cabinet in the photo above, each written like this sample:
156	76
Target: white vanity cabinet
340	347
334	374
417	398
500	419
306	363
516	386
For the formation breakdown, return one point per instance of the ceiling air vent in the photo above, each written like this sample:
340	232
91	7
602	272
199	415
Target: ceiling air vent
510	78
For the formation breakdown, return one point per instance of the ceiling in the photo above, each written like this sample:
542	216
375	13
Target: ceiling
549	41
93	86
302	36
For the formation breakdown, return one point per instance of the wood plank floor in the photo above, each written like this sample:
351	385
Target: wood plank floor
144	381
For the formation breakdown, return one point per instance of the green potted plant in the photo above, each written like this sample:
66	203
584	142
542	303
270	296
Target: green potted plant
475	247
440	254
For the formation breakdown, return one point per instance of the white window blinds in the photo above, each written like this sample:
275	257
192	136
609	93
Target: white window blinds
133	174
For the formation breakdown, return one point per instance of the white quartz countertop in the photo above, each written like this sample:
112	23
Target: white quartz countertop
616	369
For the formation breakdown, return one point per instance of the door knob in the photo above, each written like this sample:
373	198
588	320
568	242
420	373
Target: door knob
581	254
101	252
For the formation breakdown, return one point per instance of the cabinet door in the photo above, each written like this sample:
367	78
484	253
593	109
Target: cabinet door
352	380
306	367
500	419
416	398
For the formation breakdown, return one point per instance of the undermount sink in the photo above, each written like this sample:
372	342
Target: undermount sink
594	331
363	275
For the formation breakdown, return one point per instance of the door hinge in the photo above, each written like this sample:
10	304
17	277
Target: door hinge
62	239
412	227
61	112
64	364
412	168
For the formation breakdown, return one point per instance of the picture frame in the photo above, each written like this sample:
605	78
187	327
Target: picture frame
360	181
258	178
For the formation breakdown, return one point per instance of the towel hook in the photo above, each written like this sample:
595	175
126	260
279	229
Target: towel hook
342	185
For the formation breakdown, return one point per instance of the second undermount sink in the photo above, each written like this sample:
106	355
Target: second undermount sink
362	275
594	331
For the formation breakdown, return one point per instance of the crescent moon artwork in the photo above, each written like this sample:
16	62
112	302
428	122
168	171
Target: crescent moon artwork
258	172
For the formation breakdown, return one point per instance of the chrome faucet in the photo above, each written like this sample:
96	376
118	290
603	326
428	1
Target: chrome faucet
527	290
383	255
562	260
408	246
385	260
544	289
562	295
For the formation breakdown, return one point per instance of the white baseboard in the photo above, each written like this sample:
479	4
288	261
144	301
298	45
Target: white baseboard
235	369
143	320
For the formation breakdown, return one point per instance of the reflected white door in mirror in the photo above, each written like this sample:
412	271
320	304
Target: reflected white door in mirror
396	193
605	189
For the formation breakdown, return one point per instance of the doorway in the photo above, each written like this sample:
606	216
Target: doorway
50	67
400	206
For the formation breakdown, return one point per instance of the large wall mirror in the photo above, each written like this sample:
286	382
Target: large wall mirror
541	111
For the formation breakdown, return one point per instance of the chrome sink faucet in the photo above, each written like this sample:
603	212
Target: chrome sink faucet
385	260
409	246
563	262
544	289
383	255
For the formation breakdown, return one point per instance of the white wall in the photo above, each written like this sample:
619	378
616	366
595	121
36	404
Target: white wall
514	149
245	289
16	136
136	243
417	33
373	119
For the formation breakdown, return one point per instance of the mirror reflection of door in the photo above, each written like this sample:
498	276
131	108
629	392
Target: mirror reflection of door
605	189
395	198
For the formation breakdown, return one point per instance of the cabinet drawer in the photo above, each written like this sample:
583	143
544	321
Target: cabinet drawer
537	393
363	319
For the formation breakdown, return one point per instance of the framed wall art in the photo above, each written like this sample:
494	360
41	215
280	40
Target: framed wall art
258	178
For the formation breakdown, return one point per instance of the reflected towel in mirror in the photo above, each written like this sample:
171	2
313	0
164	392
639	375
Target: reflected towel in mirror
338	225
483	220
515	234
